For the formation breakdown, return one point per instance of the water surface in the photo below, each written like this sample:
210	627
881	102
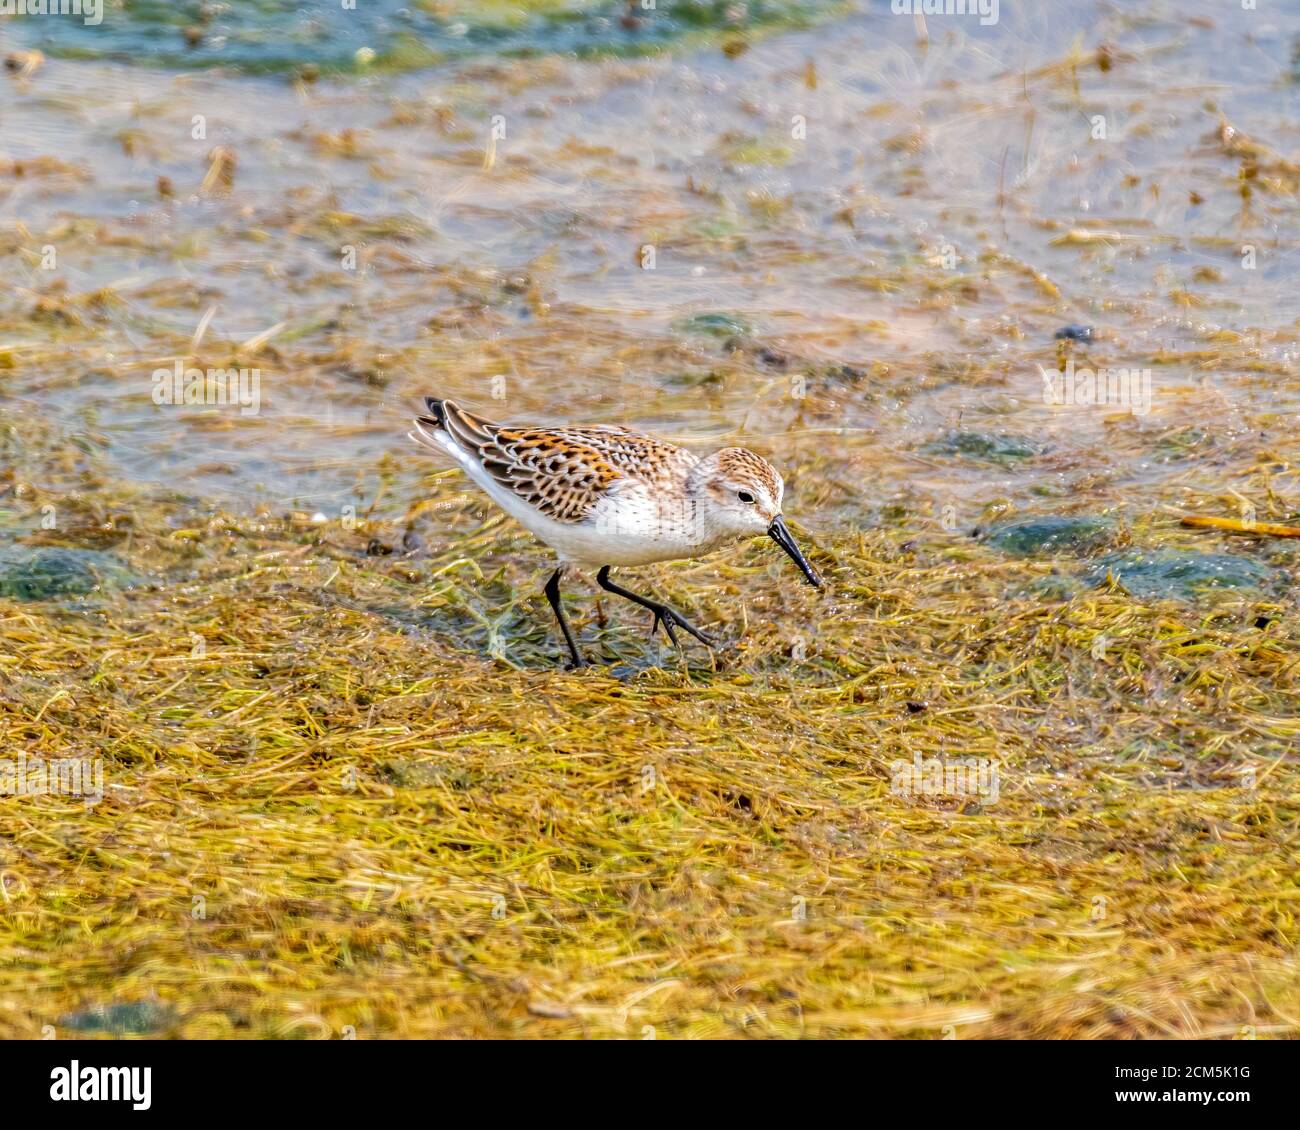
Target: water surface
881	237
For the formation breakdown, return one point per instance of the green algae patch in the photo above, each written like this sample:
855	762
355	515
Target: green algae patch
1180	574
130	1018
715	324
314	37
988	447
1051	534
48	572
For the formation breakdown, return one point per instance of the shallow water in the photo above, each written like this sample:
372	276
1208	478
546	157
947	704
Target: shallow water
862	248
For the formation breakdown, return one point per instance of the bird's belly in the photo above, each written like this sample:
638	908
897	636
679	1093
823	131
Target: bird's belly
633	528
592	545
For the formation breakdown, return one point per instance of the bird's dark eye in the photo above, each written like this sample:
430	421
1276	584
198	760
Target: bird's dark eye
744	496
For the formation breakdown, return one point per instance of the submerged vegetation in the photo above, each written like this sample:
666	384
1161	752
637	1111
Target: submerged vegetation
348	787
311	38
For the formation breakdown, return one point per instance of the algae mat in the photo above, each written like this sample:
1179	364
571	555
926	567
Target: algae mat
324	811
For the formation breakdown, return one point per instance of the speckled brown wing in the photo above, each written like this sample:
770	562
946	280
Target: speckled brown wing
561	472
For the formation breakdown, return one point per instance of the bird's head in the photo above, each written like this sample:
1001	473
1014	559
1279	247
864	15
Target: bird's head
741	494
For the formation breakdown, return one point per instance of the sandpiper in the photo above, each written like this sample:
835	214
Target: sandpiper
602	496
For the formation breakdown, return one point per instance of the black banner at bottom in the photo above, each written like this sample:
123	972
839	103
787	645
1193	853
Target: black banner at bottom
333	1079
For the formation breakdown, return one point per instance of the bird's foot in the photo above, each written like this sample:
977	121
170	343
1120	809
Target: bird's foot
668	617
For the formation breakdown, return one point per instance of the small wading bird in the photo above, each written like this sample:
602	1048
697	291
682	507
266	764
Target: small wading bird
602	496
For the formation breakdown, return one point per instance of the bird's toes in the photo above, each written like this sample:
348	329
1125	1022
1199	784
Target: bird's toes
682	622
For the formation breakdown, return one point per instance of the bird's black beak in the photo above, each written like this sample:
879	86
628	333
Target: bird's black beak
779	532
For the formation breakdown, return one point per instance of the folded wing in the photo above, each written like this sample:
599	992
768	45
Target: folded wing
561	472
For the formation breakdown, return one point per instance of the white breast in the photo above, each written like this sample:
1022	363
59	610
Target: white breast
632	525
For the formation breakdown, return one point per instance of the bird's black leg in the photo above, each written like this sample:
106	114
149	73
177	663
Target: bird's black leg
552	591
664	614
